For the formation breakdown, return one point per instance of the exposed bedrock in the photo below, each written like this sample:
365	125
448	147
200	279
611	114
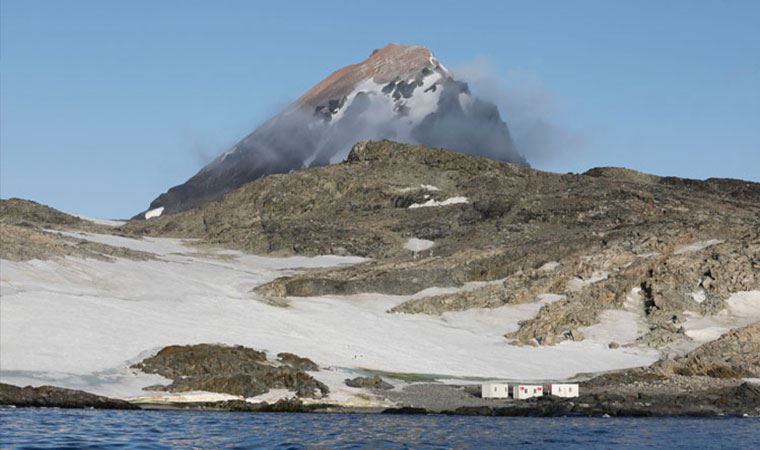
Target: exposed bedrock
658	288
234	370
608	239
373	382
56	397
29	230
736	354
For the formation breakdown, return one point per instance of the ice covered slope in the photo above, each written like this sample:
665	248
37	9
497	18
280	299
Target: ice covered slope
400	92
80	322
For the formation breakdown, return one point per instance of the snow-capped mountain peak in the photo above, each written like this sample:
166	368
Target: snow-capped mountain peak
399	92
398	67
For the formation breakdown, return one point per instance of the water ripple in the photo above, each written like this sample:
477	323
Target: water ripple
89	429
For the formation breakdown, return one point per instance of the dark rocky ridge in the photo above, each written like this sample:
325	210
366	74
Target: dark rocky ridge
360	207
50	396
16	211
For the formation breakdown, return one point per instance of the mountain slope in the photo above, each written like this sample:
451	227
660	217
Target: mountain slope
478	269
650	249
399	92
29	231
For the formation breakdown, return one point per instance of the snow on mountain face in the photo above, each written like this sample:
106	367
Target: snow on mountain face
400	92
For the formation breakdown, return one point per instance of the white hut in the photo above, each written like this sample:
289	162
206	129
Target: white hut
494	390
564	390
523	391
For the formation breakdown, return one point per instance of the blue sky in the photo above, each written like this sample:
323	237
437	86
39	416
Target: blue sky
106	104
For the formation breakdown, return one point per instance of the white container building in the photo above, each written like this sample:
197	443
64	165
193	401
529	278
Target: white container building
523	391
564	390
494	390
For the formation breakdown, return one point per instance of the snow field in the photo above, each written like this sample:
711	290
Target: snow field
80	323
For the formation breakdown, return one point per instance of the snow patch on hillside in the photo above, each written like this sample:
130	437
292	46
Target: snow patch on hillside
447	202
424	187
549	266
187	397
695	247
155	212
81	323
578	283
106	222
615	325
417	245
742	309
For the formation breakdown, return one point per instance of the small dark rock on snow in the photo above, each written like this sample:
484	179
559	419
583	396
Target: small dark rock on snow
374	382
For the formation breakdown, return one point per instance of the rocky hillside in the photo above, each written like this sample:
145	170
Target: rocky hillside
736	354
27	213
386	193
29	230
654	248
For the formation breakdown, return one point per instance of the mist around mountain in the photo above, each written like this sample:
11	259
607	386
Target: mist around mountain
400	92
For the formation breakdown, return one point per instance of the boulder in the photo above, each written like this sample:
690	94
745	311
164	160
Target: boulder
298	362
234	370
373	382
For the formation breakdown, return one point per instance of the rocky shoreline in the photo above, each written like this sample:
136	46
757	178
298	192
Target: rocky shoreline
739	399
56	397
702	383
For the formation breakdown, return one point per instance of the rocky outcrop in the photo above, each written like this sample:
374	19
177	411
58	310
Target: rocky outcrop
740	400
234	370
297	362
594	238
56	397
27	213
28	230
660	287
514	219
520	287
286	405
736	354
373	382
27	242
291	405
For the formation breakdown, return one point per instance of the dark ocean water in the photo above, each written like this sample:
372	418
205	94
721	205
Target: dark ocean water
59	428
